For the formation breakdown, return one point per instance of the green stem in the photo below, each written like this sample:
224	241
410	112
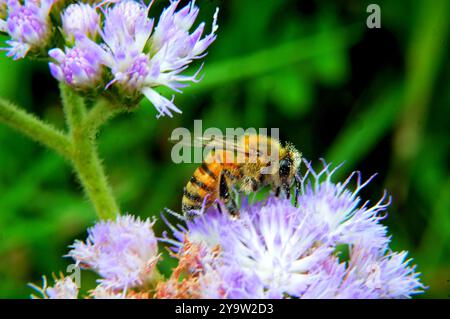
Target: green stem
85	157
73	106
102	111
35	129
79	147
92	176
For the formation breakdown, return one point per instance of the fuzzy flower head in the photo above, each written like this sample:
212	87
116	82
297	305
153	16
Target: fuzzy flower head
142	57
80	18
277	250
270	243
123	252
339	210
384	273
28	26
126	31
172	34
64	288
77	67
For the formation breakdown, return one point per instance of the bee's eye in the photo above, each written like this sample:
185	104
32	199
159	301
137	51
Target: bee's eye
285	168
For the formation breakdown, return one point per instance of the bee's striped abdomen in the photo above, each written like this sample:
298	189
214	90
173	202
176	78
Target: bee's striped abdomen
201	184
205	181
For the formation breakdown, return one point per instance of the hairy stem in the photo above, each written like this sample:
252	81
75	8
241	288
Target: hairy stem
85	157
79	146
92	176
74	107
35	129
102	111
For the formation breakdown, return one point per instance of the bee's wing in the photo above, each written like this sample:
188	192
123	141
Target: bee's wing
201	142
219	143
228	144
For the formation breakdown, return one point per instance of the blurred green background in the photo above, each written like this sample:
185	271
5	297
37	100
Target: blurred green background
377	99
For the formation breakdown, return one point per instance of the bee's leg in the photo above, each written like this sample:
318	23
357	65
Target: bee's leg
232	208
225	196
230	178
255	184
298	185
277	191
287	190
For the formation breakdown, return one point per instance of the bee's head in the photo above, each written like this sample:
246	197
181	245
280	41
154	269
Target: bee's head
289	163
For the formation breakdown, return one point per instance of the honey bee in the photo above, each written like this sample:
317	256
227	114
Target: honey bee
251	163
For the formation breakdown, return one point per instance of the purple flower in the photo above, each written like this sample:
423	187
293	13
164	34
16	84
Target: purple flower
141	60
64	288
77	67
232	282
276	250
81	18
336	282
369	273
172	36
385	274
28	25
123	252
269	243
337	208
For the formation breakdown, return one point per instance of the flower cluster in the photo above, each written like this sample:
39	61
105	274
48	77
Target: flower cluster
330	246
276	250
113	47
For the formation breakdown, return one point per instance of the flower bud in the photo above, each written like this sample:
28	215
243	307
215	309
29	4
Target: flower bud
80	18
28	26
80	68
129	13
